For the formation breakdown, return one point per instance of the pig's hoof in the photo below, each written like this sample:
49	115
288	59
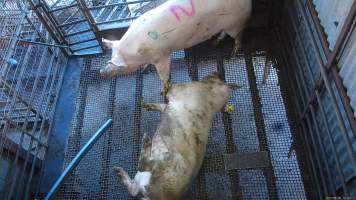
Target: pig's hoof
148	106
105	73
236	50
165	89
119	171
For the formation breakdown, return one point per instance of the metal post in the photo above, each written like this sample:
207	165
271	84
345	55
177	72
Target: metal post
78	158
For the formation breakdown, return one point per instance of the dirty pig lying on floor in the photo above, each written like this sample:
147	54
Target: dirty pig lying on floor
170	161
172	26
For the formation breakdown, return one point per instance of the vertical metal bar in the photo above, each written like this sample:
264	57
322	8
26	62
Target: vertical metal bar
304	54
138	115
315	154
13	184
296	112
74	163
260	125
328	131
90	20
229	136
61	77
311	162
35	85
296	67
323	154
13	42
107	149
319	29
345	31
328	87
8	114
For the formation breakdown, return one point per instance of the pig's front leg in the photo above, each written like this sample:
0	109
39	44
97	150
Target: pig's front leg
237	35
155	106
163	69
221	36
238	44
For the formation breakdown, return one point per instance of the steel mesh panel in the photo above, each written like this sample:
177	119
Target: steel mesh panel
122	97
278	133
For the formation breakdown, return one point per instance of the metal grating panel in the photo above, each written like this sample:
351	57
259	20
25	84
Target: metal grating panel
246	130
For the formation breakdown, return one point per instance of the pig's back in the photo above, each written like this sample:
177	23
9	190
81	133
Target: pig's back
179	24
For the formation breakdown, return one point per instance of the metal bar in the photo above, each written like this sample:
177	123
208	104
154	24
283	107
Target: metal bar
58	89
118	4
67	29
229	136
48	102
319	28
328	88
76	33
44	98
296	112
303	90
107	149
311	163
344	98
15	94
116	20
62	8
333	148
26	133
88	47
13	42
73	22
82	41
304	54
325	159
91	20
78	158
13	184
57	35
42	37
39	43
137	134
11	150
345	31
342	125
260	125
315	155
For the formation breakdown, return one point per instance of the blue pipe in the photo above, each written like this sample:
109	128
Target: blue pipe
73	164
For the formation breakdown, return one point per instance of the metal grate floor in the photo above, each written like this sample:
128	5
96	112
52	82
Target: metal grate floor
258	123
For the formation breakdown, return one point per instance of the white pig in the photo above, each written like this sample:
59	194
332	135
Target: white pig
174	25
172	159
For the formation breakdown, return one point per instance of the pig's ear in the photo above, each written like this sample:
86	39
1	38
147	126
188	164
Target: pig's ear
108	43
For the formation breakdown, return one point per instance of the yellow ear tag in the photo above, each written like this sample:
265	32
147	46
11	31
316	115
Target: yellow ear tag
229	108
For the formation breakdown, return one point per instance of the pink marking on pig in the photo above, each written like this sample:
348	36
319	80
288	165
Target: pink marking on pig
174	9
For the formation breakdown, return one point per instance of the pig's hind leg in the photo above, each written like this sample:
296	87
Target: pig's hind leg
145	155
131	185
138	184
